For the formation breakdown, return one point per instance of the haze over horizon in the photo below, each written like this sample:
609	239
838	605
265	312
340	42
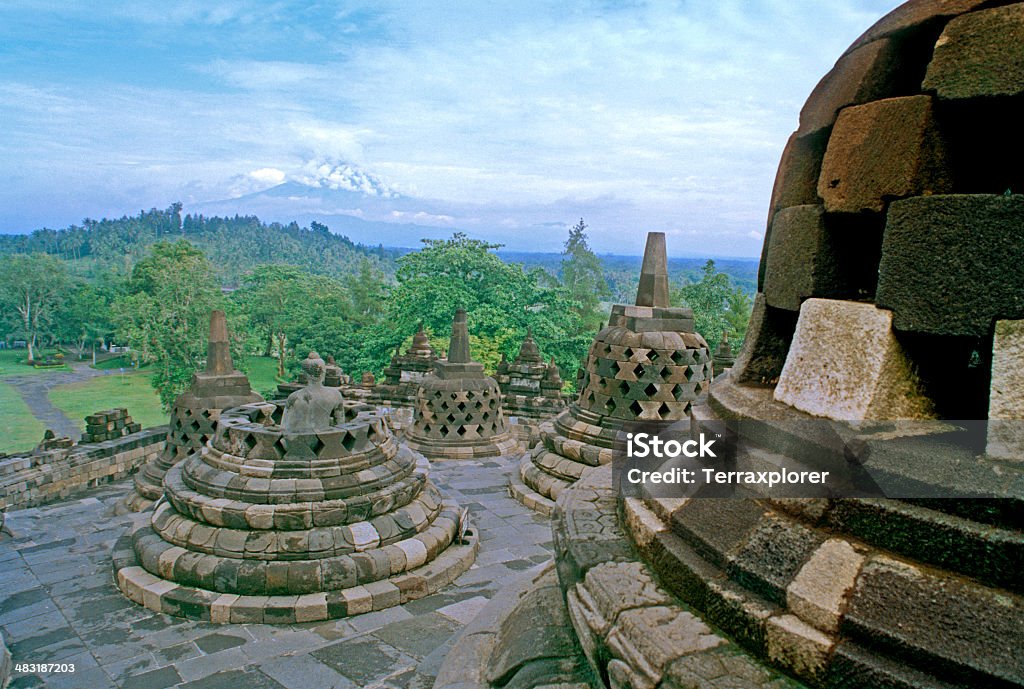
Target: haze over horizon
509	124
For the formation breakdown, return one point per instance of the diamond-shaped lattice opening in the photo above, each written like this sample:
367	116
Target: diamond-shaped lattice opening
439	394
606	349
636	408
640	371
664	410
679	392
614	367
450	418
194	425
627	352
492	404
461	430
590	396
281	445
652	356
623	388
679	358
444	431
348	441
688	373
610	405
250	441
479	404
462	406
206	413
651	390
484	416
317	445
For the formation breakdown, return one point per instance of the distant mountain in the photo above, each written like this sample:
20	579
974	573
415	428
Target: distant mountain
233	244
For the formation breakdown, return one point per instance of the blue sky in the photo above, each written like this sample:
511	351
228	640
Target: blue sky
498	119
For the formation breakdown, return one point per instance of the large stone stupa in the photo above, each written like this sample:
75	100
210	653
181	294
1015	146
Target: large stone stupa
194	413
295	512
648	364
458	413
886	341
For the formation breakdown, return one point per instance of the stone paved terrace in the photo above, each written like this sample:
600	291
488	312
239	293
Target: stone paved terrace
58	603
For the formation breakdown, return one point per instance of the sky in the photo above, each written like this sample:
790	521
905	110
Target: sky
507	120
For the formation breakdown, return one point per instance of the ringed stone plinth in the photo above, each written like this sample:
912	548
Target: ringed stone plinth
648	364
269	526
194	414
458	413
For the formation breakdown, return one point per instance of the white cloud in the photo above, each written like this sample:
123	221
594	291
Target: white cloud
267	175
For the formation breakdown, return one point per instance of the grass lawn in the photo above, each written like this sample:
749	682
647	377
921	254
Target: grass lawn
21	430
78	400
12	363
262	372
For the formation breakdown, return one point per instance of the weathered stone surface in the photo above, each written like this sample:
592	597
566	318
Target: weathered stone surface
978	55
880	150
458	412
1006	396
951	265
864	74
797	646
298	525
912	15
653	289
763	355
818	593
800	258
846	364
898	605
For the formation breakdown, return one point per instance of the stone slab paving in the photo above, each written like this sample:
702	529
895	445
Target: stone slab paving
59	604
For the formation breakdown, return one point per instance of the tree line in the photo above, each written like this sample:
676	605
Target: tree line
156	299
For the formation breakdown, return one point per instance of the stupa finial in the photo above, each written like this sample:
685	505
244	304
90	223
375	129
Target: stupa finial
653	289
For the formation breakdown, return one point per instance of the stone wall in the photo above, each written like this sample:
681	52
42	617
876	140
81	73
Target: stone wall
36	479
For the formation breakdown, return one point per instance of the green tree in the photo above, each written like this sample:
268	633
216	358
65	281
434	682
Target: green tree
717	305
583	276
288	307
165	314
83	319
32	287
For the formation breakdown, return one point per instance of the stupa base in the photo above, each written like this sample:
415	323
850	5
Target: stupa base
170	598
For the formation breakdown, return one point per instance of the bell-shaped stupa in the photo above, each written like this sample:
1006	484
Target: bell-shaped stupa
648	364
458	413
194	414
296	511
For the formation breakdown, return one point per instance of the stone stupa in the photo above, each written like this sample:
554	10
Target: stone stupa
458	413
194	414
648	364
886	340
297	511
531	388
723	358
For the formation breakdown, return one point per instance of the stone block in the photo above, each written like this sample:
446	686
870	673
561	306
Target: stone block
951	265
881	150
979	55
845	364
861	75
769	333
797	646
799	258
818	593
1006	394
914	15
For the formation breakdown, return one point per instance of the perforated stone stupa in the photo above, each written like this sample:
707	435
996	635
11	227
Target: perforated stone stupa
195	412
648	364
296	511
458	413
531	388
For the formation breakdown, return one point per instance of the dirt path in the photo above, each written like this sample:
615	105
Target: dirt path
34	389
